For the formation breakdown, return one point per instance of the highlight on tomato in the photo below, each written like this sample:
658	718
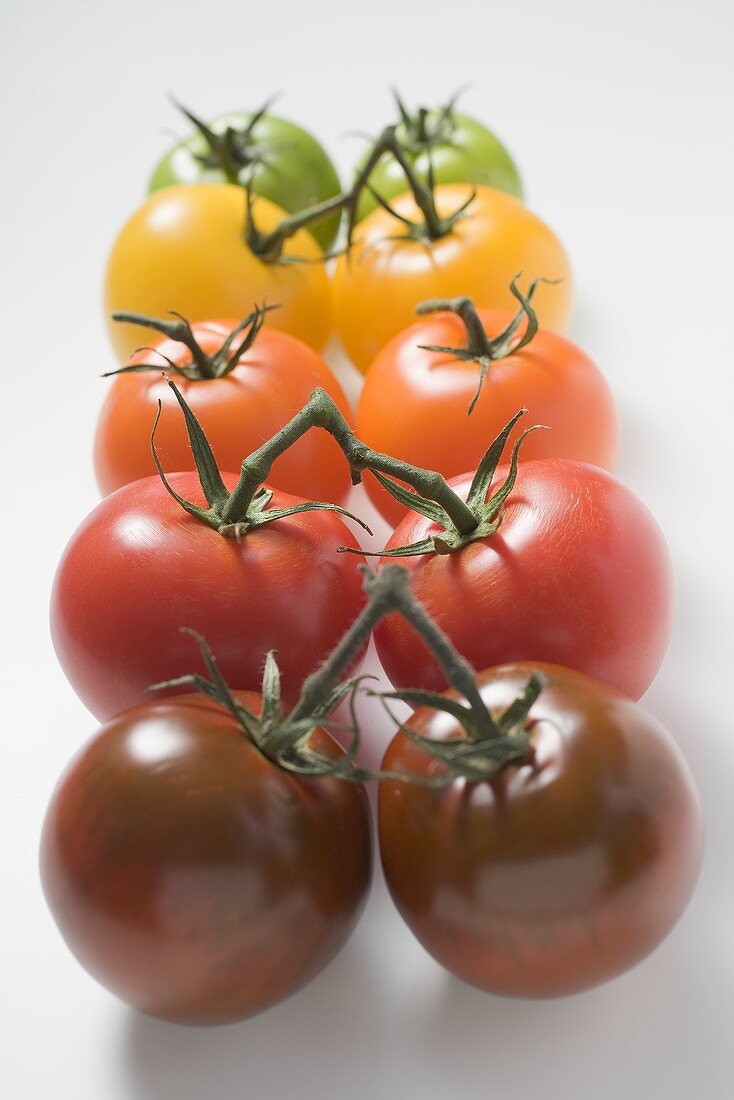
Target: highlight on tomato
444	386
203	856
550	560
553	836
250	567
452	146
257	149
242	380
439	241
189	247
206	855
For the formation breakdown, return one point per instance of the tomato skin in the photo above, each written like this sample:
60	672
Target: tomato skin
193	878
295	174
560	873
578	574
238	413
472	154
414	402
184	249
376	288
139	568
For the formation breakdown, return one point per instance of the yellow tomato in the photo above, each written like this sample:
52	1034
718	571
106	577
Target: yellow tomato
184	249
377	287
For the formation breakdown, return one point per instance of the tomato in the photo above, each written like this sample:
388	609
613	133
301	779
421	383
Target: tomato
457	148
140	567
578	574
561	871
377	286
193	877
414	402
184	249
238	411
280	161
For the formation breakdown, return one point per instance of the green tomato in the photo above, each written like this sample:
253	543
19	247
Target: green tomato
462	150
285	164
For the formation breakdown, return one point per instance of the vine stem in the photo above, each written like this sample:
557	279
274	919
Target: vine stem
269	246
478	343
320	411
389	591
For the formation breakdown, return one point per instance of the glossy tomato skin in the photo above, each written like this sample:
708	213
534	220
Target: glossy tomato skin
193	878
414	402
139	568
561	872
295	171
238	413
578	574
470	153
184	249
377	287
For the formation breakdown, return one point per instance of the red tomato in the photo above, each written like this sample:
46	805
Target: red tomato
140	567
238	412
560	872
578	574
414	402
193	877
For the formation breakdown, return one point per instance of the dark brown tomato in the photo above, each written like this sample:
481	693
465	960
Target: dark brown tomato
192	877
560	873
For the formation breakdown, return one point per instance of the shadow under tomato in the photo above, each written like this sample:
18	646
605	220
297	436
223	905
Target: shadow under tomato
385	1020
635	1036
283	1045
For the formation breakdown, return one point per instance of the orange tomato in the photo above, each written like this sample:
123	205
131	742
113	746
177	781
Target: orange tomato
414	402
238	412
377	286
184	249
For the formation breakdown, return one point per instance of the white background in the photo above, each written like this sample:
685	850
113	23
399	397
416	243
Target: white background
620	117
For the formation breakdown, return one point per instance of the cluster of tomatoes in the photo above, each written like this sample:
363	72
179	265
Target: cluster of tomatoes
209	850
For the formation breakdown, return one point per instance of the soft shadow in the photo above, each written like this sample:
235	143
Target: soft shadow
333	1014
636	1036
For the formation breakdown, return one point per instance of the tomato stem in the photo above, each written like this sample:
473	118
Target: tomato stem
232	150
203	367
284	738
427	128
269	246
255	513
486	509
247	506
320	411
480	347
389	591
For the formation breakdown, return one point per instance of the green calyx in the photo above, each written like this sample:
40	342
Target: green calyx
489	743
486	511
234	150
231	514
283	739
426	128
433	225
203	366
480	754
481	348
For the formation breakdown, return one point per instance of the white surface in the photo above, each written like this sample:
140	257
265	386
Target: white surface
620	117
